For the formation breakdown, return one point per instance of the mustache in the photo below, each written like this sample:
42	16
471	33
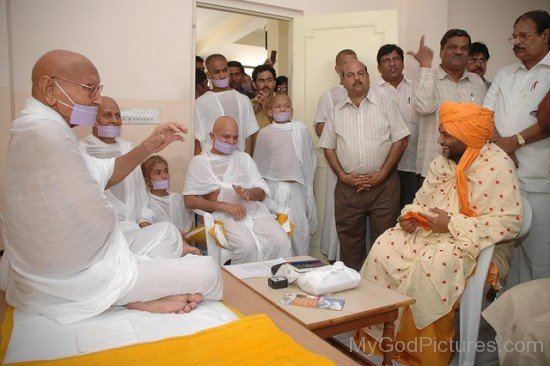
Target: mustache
358	83
518	48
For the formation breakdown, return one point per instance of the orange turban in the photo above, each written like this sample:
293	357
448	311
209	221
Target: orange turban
472	125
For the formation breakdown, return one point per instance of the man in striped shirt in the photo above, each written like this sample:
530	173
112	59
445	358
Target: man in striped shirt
449	81
364	137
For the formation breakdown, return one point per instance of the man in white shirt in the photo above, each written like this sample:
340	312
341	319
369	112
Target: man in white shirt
68	259
227	183
222	101
514	96
364	138
395	86
286	159
450	81
329	237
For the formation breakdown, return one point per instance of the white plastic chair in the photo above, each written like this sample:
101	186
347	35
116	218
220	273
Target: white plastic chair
220	255
471	299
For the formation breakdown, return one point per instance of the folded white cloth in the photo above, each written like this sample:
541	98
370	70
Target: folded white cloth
118	333
329	279
36	337
289	271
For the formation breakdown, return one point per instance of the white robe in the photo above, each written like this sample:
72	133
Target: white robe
171	208
131	203
210	106
265	239
129	197
284	152
67	258
330	246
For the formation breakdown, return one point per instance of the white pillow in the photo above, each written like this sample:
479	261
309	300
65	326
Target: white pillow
329	279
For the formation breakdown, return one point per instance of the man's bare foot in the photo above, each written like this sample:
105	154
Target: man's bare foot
176	304
188	249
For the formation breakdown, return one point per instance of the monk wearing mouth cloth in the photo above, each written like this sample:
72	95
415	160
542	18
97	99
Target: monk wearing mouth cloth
470	200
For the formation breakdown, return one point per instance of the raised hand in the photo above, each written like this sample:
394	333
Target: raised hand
242	192
424	55
164	135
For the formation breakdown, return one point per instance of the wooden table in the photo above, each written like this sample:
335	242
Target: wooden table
248	302
367	304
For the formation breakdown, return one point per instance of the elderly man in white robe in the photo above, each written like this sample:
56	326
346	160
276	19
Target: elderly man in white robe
227	183
129	198
67	257
286	160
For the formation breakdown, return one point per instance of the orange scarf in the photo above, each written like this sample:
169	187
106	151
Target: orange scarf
420	220
472	125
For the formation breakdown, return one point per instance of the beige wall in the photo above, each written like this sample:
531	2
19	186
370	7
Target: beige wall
143	51
5	102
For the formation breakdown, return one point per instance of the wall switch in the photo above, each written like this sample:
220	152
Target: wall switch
140	116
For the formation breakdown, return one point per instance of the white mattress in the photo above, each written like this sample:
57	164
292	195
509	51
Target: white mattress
40	338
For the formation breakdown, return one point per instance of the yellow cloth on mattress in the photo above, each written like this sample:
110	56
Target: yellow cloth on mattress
253	340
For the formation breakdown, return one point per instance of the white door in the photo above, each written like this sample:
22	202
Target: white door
315	42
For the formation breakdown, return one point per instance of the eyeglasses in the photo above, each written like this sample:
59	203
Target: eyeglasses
475	60
520	37
93	90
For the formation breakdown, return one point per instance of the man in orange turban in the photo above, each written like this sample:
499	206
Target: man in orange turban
469	200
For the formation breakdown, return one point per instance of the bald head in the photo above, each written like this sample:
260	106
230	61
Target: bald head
105	100
225	124
226	131
279	98
108	114
213	58
62	78
342	58
62	63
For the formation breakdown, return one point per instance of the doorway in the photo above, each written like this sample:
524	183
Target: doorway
246	38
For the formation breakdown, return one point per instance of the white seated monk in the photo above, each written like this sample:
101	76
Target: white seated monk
166	205
227	183
129	198
286	160
67	257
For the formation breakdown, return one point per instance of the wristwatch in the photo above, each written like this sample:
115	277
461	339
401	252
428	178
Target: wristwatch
521	140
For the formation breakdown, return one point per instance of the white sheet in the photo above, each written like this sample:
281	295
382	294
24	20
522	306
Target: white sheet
40	338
